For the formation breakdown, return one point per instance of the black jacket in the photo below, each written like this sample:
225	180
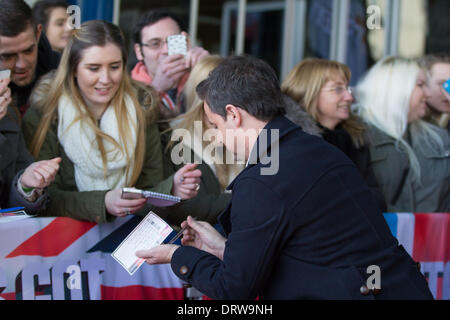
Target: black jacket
341	139
308	232
14	158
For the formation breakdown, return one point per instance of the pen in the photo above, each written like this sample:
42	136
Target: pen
11	209
175	238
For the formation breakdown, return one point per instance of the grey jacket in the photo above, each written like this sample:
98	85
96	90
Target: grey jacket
391	166
14	158
300	117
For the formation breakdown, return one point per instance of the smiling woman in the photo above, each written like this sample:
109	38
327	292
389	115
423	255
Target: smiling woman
98	76
100	123
321	88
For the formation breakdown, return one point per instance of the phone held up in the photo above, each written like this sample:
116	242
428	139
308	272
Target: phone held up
446	86
177	44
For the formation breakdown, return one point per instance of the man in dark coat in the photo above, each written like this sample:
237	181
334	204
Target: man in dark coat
302	224
24	50
22	181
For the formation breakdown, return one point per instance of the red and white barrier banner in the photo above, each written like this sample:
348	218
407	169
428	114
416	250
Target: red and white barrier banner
426	237
66	259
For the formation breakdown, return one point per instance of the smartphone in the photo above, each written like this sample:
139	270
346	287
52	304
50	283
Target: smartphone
177	44
5	74
131	193
446	86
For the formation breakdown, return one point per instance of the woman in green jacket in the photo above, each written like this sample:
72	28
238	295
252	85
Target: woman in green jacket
89	114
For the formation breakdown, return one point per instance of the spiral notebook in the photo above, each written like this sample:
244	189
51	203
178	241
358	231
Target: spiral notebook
155	198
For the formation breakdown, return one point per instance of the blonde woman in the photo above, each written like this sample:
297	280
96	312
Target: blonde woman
184	142
88	113
410	157
320	87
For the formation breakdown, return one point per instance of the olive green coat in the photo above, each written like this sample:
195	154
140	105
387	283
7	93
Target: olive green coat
64	198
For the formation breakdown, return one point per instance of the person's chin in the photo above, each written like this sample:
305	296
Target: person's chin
22	82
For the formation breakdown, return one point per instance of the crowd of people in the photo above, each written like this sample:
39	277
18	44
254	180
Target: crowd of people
76	128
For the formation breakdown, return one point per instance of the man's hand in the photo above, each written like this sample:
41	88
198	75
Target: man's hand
203	236
5	97
169	72
193	55
158	255
41	174
186	182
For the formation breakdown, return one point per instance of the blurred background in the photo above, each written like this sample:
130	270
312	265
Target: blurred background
355	32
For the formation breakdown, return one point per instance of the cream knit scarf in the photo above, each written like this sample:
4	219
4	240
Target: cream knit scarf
80	144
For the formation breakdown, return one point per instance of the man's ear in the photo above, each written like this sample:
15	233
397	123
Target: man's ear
234	115
38	32
138	51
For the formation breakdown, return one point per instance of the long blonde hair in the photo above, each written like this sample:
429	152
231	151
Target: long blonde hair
303	85
195	113
383	100
48	92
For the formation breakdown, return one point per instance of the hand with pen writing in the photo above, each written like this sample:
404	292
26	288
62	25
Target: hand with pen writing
203	236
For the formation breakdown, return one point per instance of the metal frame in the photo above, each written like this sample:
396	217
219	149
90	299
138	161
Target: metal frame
226	14
339	30
116	12
193	21
294	34
392	28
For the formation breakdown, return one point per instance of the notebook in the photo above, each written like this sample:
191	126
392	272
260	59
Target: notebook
155	198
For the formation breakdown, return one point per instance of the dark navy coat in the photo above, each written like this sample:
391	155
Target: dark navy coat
308	232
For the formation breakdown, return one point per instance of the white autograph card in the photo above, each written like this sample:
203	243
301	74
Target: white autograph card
149	233
176	44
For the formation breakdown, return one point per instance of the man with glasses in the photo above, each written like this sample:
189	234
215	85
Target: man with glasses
167	74
24	50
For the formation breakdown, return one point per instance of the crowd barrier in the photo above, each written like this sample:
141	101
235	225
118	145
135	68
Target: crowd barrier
62	258
426	237
65	259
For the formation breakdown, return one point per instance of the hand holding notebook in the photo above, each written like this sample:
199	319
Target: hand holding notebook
155	198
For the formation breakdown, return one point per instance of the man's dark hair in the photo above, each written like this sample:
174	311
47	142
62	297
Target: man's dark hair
15	17
43	8
151	17
245	82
